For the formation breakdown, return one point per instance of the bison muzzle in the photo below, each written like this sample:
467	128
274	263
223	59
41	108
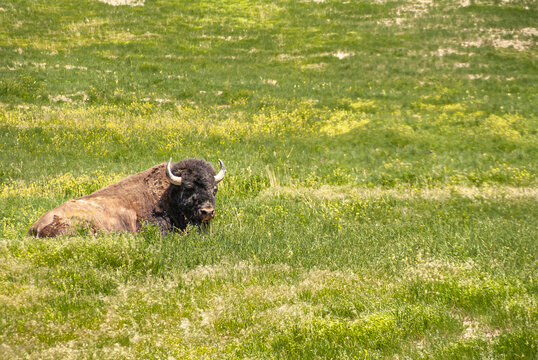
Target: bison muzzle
170	196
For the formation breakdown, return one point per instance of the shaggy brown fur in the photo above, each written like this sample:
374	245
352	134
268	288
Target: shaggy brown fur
146	197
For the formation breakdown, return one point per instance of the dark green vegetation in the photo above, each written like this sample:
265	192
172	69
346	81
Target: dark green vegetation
381	196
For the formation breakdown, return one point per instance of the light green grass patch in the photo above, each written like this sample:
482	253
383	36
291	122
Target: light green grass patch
381	194
245	309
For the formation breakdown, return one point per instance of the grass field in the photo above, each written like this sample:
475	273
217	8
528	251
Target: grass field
381	199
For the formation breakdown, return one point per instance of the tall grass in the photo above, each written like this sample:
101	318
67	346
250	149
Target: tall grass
381	195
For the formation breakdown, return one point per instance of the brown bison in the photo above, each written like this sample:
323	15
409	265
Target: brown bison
171	196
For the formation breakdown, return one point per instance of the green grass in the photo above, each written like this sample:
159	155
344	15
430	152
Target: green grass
381	195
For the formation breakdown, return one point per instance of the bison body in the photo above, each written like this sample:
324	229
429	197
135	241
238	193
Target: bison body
169	196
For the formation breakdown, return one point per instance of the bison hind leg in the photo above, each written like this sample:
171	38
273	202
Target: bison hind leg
55	228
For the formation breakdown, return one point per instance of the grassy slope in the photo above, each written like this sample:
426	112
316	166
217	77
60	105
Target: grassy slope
381	196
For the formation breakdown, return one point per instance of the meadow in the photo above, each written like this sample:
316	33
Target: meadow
381	199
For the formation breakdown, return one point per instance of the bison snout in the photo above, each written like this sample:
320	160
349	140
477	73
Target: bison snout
207	213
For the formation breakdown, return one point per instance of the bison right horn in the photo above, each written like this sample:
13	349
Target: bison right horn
222	172
175	180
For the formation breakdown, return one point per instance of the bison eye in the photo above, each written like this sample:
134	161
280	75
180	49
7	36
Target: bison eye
215	189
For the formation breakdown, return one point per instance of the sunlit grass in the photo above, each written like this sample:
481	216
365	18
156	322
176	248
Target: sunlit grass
381	195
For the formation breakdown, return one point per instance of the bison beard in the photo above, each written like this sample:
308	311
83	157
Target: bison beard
171	196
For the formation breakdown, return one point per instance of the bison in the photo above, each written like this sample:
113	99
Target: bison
170	196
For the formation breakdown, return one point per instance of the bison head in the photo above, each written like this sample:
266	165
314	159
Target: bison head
194	186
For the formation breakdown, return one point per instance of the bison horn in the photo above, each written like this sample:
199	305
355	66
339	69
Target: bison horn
222	172
176	180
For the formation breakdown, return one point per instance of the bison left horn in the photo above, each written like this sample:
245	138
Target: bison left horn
222	172
175	180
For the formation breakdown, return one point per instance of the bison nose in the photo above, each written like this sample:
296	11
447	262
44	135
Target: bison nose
207	213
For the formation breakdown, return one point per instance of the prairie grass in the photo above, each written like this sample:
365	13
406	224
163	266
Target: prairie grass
381	196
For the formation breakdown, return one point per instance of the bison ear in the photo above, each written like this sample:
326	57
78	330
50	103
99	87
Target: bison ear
222	172
175	180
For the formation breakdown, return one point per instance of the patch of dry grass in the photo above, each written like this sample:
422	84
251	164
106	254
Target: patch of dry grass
328	192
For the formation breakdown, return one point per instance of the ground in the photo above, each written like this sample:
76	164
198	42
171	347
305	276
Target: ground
381	193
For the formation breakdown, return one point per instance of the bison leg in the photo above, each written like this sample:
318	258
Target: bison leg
53	228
